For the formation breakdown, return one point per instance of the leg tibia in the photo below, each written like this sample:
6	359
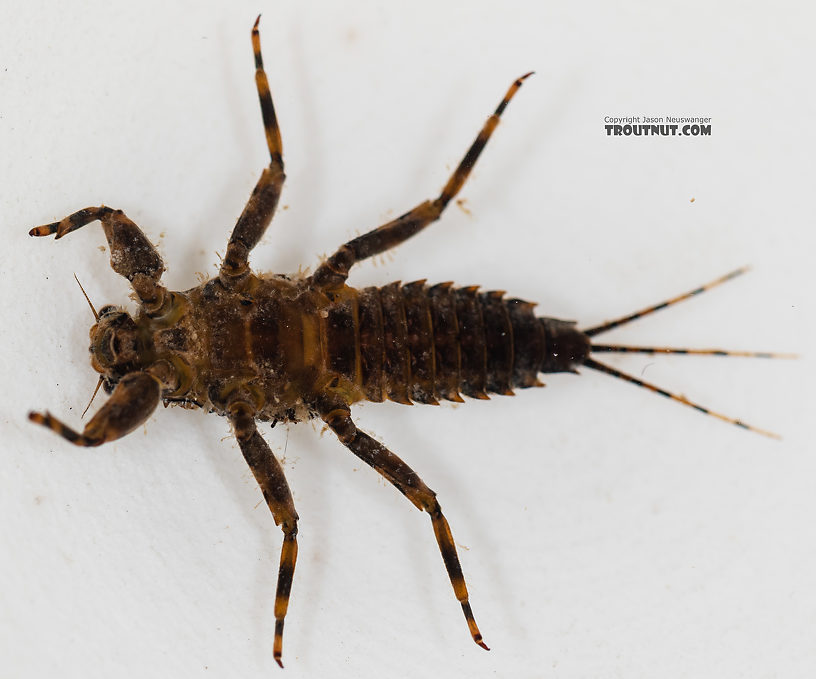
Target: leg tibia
252	224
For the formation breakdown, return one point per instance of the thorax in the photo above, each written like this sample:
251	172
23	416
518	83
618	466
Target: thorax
263	342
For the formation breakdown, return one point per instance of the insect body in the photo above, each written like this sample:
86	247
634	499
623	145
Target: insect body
284	349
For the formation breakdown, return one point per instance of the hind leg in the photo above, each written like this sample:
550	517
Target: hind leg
332	274
407	482
269	474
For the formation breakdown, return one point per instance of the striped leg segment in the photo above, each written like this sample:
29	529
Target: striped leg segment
333	272
260	208
131	403
270	477
132	254
405	480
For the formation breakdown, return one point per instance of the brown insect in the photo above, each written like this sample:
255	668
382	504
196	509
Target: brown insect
281	348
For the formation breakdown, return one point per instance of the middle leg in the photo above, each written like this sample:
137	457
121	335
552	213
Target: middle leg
332	274
375	454
260	208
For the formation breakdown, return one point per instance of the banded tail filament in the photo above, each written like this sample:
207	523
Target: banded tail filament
617	348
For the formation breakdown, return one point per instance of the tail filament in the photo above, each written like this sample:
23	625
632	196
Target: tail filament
625	349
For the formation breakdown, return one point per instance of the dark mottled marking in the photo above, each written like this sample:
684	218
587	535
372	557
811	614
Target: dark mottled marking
462	340
229	344
264	333
420	342
446	340
372	347
473	348
341	338
396	366
528	342
498	343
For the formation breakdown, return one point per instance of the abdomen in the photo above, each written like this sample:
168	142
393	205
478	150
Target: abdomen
419	343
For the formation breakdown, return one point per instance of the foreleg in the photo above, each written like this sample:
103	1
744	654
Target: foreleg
133	399
132	254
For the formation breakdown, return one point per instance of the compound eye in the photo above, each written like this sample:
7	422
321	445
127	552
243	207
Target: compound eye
107	310
105	347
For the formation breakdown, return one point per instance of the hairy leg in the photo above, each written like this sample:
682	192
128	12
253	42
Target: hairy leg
269	475
332	274
260	208
338	417
132	254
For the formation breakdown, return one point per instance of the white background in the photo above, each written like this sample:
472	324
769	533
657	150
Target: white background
604	531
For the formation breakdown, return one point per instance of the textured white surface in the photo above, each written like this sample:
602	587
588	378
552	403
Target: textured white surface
605	532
